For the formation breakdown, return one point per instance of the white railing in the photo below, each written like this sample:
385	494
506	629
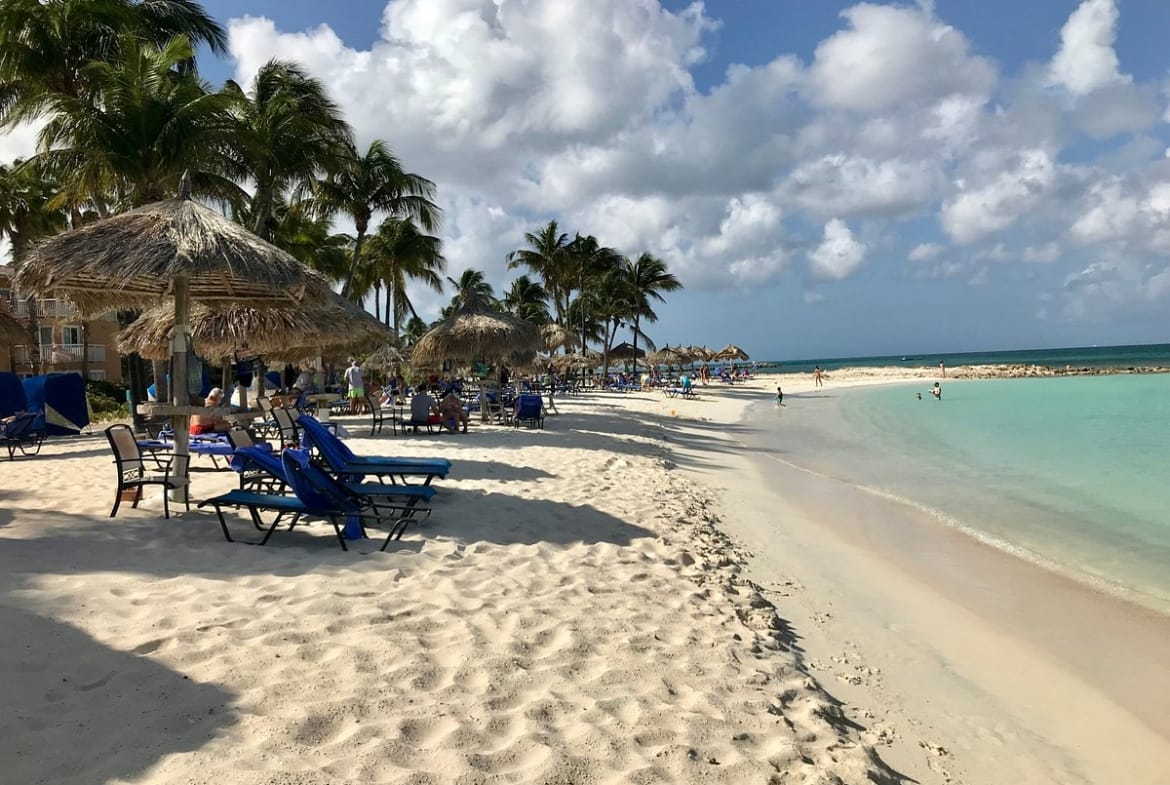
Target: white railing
46	309
62	353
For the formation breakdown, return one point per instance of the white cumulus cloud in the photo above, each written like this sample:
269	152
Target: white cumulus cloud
1086	60
839	253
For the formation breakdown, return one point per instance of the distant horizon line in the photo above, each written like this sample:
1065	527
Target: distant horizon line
943	355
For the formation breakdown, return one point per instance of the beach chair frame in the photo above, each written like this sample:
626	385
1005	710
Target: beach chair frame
21	434
132	472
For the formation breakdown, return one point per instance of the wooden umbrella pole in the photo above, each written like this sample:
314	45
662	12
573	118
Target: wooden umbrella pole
182	398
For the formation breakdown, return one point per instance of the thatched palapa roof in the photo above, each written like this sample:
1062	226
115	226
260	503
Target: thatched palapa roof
731	352
669	356
476	331
626	351
555	336
572	362
292	332
386	356
133	259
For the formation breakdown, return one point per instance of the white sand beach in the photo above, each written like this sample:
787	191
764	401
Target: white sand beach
604	601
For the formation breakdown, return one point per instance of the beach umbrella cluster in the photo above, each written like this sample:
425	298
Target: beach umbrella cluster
174	249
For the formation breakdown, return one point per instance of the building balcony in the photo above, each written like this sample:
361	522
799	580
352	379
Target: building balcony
62	354
46	309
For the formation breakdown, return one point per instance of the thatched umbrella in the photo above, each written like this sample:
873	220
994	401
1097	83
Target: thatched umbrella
290	331
574	362
476	331
385	357
730	352
668	356
173	248
626	351
555	336
699	353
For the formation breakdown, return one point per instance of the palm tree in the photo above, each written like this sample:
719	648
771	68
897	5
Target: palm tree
362	185
309	238
471	283
589	262
287	132
547	256
46	46
608	300
528	300
25	217
645	279
140	126
415	328
398	253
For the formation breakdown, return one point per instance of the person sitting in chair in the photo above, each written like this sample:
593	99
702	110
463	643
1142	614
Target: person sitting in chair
452	413
202	424
423	409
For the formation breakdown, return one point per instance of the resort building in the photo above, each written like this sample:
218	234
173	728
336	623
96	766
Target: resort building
62	345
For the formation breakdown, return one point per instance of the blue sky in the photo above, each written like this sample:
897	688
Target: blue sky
827	178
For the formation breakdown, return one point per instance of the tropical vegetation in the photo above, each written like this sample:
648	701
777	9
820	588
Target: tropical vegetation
123	113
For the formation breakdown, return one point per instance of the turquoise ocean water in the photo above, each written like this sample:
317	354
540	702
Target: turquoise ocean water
1144	355
1070	472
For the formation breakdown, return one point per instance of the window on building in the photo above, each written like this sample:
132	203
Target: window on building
71	335
46	332
97	374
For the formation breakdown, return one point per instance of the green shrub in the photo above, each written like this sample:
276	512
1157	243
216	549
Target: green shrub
107	400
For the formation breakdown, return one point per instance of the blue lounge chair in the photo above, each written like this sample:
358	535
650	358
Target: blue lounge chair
22	434
342	462
261	470
317	495
529	409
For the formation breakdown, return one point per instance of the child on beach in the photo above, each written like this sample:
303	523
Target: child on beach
817	374
936	391
779	396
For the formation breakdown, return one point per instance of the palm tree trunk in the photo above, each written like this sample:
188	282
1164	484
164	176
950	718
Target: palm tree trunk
260	206
635	346
34	335
85	349
353	265
377	297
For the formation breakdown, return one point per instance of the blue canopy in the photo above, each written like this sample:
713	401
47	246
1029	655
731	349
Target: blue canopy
61	397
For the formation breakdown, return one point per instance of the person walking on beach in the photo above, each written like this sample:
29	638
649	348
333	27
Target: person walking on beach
942	369
817	376
936	391
353	379
779	396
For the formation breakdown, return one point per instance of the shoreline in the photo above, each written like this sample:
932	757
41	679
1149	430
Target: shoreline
622	595
976	643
